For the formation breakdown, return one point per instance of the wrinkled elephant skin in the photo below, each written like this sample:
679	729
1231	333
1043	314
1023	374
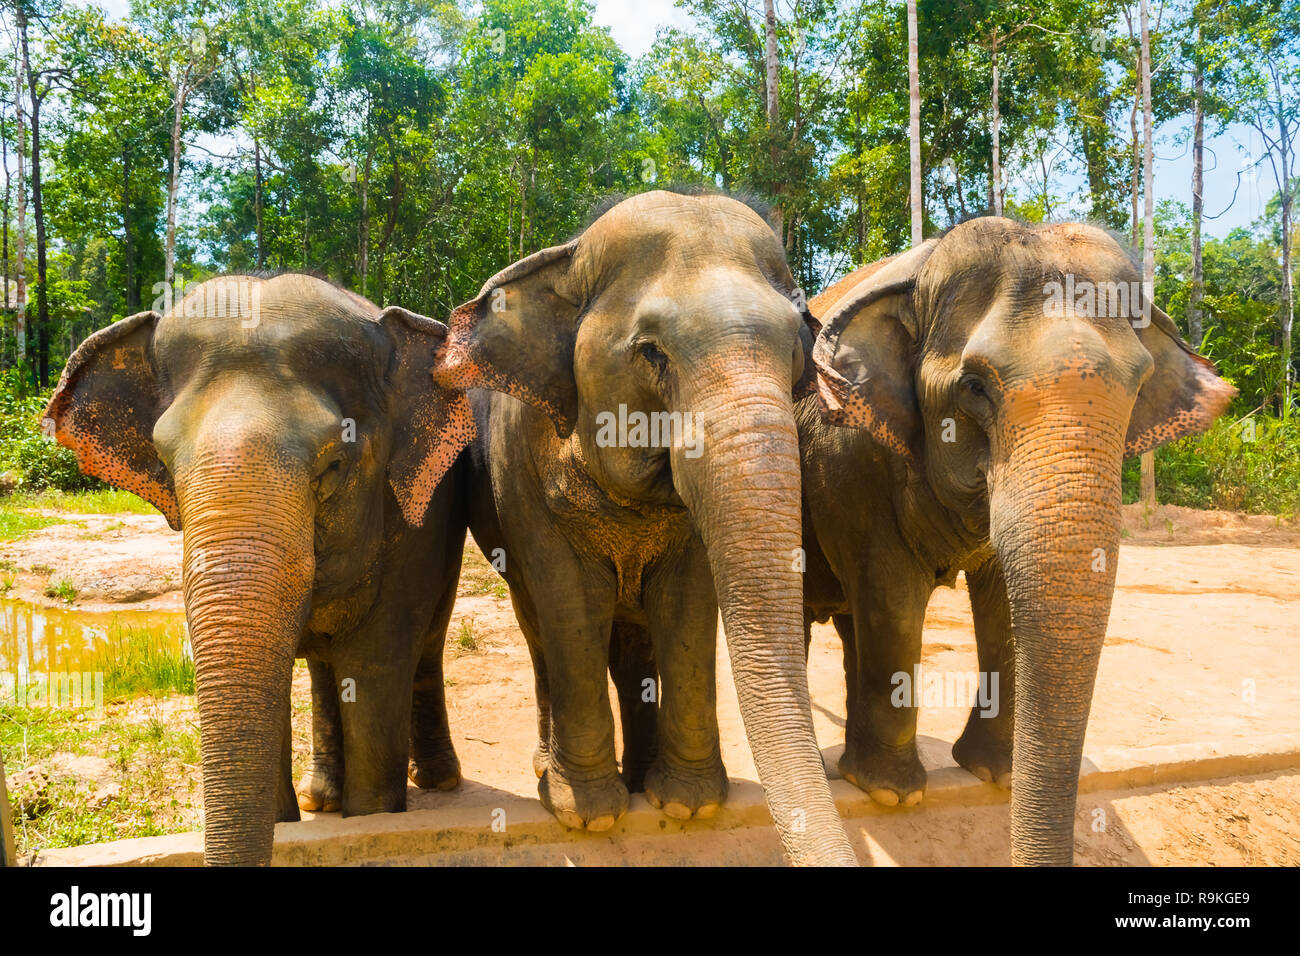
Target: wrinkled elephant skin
292	431
994	380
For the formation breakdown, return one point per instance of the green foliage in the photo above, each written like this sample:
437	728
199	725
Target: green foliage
409	149
25	449
1226	469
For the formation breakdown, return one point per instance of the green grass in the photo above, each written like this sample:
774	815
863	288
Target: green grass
17	520
144	660
100	501
466	638
478	577
149	763
63	590
16	524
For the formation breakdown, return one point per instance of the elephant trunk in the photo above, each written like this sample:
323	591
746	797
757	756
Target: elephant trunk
1055	522
744	494
248	570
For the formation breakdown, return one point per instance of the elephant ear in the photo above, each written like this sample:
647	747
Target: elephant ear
431	424
864	354
1183	396
105	408
518	337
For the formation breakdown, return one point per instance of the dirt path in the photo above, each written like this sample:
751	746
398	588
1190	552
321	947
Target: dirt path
1202	647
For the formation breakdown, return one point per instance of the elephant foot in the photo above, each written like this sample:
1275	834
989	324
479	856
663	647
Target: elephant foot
684	792
588	801
981	752
436	772
891	776
321	787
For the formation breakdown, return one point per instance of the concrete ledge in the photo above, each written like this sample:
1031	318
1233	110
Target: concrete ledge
516	830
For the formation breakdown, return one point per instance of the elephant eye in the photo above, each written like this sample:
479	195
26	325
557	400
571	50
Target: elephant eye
973	397
328	481
654	355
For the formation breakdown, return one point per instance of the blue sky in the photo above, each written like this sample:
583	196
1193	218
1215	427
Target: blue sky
633	23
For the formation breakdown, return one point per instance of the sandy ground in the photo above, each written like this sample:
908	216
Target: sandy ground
1202	647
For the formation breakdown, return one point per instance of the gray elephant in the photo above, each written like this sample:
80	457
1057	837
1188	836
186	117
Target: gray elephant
637	466
292	431
996	378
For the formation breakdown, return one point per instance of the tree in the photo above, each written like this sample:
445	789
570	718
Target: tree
110	152
1267	80
914	126
186	39
1148	228
773	87
35	79
20	236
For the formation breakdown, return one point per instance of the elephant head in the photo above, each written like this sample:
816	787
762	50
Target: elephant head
681	306
277	422
1011	367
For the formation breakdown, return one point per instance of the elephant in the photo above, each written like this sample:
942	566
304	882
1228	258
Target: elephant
637	469
292	431
975	399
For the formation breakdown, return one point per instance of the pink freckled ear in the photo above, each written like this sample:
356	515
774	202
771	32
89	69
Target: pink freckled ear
1183	396
105	408
432	425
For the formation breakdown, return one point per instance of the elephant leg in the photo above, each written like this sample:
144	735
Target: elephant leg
984	747
433	763
376	721
848	639
687	777
527	619
286	805
880	753
321	787
631	664
581	784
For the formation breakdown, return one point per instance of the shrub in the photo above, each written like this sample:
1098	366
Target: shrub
1225	469
39	461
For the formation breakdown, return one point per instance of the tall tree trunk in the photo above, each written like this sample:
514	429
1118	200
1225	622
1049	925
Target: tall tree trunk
1197	293
257	201
1286	189
914	126
20	239
4	151
173	182
996	186
128	242
860	197
42	264
1148	483
774	117
363	227
42	298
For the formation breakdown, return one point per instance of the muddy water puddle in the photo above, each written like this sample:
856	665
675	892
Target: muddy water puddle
122	651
